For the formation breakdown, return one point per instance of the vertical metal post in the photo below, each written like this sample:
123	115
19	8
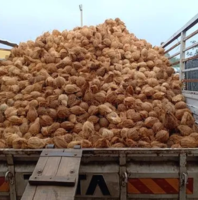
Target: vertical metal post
182	54
123	171
183	176
81	16
10	177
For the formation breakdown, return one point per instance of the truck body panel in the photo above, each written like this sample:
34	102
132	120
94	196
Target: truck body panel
116	173
125	174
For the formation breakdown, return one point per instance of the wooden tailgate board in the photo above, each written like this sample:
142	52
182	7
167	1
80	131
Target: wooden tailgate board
55	176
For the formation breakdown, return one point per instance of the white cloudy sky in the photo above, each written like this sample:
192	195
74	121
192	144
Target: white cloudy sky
153	20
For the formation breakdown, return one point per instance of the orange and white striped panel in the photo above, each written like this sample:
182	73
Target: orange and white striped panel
4	186
157	186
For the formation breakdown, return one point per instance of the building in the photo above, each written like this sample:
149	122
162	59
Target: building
4	53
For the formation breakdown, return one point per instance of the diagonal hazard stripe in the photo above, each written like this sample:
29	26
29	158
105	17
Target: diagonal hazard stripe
174	182
2	180
165	186
150	183
4	187
190	186
132	189
140	186
157	186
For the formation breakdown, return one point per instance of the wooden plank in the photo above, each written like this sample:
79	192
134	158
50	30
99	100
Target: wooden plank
47	192
40	166
69	166
31	190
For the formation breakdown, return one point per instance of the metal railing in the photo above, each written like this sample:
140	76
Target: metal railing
183	49
188	65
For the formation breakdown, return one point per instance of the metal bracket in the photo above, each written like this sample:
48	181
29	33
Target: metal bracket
60	153
185	179
9	177
50	146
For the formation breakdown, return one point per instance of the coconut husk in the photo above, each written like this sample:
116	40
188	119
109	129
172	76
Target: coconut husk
2	143
188	142
67	125
143	144
35	127
10	111
35	143
158	126
131	143
68	138
118	145
93	110
45	120
150	121
77	110
146	134
176	146
156	144
63	112
187	119
60	131
113	118
60	142
52	113
185	130
88	129
178	98
133	134
170	121
19	143
162	136
180	105
24	128
102	143
15	120
104	109
194	135
74	143
86	144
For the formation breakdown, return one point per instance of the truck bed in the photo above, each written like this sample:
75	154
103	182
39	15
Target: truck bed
113	174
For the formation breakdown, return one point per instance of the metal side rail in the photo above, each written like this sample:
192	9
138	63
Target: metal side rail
55	175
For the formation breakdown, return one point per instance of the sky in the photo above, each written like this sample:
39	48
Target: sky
153	20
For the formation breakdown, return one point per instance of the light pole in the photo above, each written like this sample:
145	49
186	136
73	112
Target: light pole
81	10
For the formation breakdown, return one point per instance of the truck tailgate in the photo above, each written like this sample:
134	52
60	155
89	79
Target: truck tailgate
113	173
